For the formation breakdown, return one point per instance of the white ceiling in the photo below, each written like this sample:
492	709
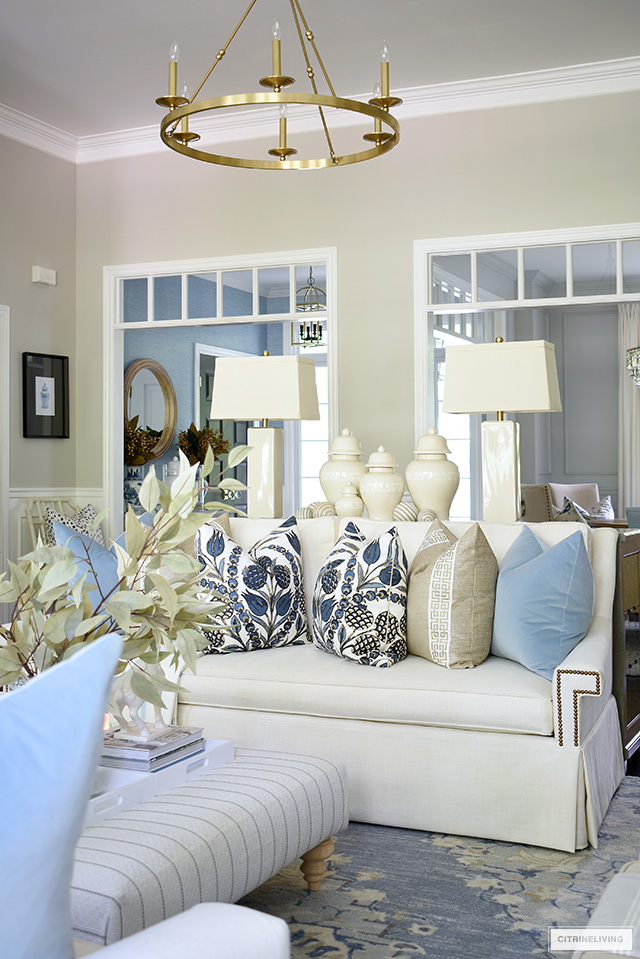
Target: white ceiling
90	68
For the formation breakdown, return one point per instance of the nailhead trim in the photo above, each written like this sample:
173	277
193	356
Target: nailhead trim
576	695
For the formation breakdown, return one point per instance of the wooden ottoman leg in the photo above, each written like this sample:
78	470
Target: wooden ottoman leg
314	863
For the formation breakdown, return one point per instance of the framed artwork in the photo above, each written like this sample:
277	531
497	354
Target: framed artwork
45	396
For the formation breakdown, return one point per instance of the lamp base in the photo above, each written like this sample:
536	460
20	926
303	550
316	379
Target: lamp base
501	471
264	469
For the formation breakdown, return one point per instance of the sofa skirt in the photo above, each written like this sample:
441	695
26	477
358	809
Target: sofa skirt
510	787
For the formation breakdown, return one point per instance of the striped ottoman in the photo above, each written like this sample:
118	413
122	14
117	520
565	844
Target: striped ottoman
213	840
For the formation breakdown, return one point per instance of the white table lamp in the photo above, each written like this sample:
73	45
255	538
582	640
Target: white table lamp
517	377
265	388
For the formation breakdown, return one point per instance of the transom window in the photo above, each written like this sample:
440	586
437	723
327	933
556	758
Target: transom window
533	275
202	298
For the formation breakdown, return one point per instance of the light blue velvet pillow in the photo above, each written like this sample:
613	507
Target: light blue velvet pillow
544	601
50	737
144	518
87	551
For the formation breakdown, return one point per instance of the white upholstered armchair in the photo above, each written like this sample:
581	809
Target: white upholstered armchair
211	930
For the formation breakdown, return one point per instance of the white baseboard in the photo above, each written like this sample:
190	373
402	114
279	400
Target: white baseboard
19	540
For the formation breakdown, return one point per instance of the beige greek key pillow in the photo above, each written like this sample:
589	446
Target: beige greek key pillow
452	588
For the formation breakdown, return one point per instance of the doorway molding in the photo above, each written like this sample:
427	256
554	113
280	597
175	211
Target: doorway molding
113	346
423	313
5	432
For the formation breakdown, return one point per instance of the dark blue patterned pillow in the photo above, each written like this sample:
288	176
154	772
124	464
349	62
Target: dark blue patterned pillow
360	599
262	587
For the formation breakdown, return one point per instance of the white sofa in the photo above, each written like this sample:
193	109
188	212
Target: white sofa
496	751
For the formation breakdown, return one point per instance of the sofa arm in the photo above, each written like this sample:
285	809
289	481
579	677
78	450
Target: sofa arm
211	930
569	686
582	683
586	672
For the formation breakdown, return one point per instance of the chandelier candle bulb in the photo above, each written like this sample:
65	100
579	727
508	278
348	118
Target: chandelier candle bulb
172	100
185	120
174	53
384	70
282	150
378	136
276	56
185	136
377	92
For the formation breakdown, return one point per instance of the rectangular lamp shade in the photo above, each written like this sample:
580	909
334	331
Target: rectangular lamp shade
265	387
516	377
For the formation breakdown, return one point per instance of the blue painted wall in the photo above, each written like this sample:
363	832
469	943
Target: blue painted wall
175	350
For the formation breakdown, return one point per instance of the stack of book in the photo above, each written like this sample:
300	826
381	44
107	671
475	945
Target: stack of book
177	743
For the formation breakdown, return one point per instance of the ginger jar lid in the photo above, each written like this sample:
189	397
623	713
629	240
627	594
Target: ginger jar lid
350	492
381	460
346	445
432	443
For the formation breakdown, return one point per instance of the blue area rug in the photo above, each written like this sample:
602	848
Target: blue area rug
396	893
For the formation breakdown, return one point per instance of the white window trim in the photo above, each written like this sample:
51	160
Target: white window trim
113	337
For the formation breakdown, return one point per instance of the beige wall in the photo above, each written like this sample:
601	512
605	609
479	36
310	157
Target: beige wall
38	203
564	164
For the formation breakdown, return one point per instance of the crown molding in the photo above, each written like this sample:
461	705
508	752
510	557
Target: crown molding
540	86
36	133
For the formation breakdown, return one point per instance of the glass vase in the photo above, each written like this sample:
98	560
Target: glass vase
202	487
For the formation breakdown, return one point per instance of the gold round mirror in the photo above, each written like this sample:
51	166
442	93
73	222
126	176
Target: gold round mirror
168	395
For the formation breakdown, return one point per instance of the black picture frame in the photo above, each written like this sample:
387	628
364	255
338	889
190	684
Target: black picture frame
45	396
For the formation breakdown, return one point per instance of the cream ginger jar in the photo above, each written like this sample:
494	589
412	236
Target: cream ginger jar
349	503
381	488
432	479
342	467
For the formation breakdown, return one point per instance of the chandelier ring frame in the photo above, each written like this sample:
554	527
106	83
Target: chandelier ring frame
276	99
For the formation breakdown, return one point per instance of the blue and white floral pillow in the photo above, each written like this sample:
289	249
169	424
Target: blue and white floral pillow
360	599
570	512
263	589
602	510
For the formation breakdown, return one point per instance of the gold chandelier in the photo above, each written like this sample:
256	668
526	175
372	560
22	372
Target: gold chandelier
309	299
174	127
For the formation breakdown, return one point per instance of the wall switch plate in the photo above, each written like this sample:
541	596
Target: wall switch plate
40	274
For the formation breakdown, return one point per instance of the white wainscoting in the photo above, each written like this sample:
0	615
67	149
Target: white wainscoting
19	539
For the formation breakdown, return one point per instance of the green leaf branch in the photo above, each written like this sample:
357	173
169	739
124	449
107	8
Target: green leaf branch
154	604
